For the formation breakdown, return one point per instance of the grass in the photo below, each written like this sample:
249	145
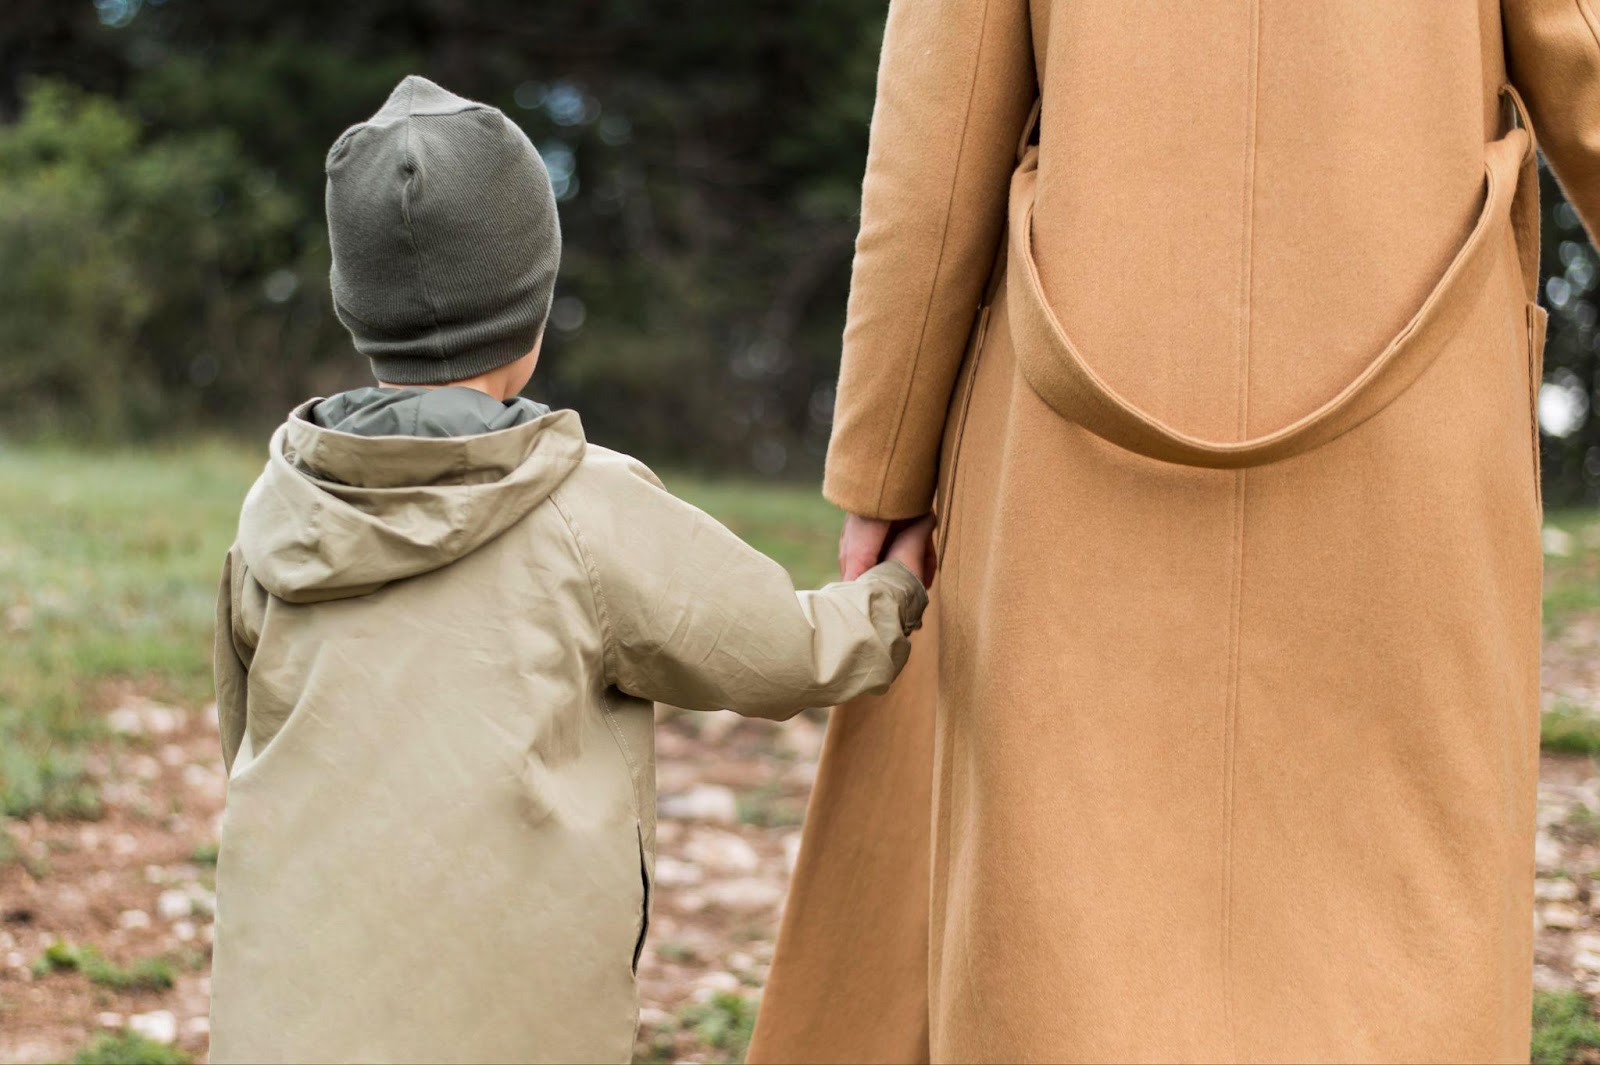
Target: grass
1567	729
724	1024
1562	1026
1572	581
127	1048
148	974
108	570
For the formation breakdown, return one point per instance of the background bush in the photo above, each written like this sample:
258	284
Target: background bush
163	264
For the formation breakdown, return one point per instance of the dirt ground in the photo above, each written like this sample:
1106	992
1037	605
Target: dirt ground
137	884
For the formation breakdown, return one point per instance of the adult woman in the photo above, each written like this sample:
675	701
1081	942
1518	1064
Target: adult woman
1218	373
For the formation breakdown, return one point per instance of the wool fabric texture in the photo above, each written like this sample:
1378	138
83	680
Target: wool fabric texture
445	238
1215	752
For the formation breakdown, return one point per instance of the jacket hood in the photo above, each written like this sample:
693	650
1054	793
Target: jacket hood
337	515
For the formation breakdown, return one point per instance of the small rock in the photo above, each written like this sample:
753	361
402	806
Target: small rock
174	904
185	931
133	919
159	1026
16	960
1546	852
722	851
173	755
1546	978
672	873
1555	891
109	1020
703	802
650	1017
124	843
197	1026
1587	960
746	894
125	721
709	985
1560	915
201	901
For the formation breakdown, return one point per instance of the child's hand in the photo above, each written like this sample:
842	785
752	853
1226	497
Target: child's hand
912	547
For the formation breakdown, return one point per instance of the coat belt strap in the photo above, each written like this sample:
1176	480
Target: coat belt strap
1061	376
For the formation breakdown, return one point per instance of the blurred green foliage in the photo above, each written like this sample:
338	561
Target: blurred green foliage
163	261
708	168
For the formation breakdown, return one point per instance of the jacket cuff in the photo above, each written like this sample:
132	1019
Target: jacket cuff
907	590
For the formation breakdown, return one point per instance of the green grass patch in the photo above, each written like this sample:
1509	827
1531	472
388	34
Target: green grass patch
1567	729
148	974
1572	580
108	570
126	1048
724	1024
1562	1025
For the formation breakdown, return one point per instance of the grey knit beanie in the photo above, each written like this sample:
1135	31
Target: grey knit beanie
444	235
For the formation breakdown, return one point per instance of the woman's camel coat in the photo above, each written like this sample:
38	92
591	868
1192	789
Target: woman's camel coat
1226	745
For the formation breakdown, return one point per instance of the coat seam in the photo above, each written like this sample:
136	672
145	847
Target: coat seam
596	591
1586	11
603	616
1236	604
938	263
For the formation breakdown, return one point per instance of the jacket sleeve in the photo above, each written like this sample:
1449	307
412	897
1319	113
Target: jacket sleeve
695	617
955	85
1553	56
230	661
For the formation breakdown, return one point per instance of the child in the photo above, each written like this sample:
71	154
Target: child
438	639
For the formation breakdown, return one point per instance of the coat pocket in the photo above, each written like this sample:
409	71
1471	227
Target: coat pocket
955	426
1538	321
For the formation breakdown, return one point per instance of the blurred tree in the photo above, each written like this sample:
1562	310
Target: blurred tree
708	163
120	263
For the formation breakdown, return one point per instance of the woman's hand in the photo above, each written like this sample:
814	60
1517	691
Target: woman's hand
865	542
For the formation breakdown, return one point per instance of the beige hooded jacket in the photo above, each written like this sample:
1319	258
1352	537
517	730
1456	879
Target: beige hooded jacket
435	666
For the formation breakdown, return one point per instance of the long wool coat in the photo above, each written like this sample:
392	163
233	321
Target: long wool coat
1221	383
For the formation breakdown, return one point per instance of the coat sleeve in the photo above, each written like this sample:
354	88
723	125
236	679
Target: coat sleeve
230	660
955	85
695	617
1553	56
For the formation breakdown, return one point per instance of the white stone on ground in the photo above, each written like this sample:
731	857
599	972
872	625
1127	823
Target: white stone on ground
703	802
1560	915
747	894
133	919
672	873
174	904
1555	891
159	1026
722	851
